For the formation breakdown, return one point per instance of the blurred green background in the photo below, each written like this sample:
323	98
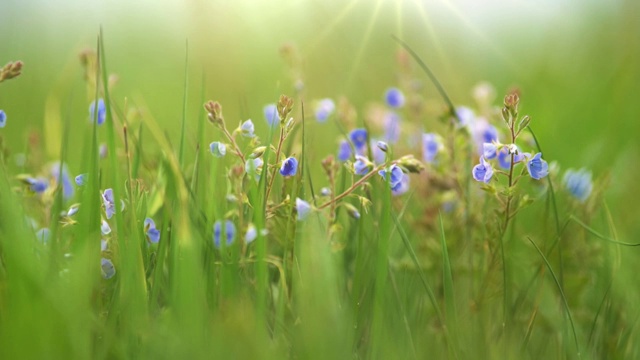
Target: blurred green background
577	64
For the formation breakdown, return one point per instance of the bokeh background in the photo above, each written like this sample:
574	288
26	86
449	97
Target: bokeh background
577	64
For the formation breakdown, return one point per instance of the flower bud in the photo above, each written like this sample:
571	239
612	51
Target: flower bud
214	110
524	123
285	104
411	164
382	146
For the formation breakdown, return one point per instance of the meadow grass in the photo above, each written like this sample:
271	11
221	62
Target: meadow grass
448	267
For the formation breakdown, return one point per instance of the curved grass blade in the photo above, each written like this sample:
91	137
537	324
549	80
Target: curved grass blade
598	235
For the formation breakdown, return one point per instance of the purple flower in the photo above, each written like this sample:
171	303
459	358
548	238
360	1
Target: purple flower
394	97
344	151
38	185
430	147
247	129
289	167
271	114
81	179
302	208
3	119
489	150
101	114
504	157
537	167
378	154
465	116
324	109
483	171
218	149
358	138
108	270
153	234
229	230
109	203
395	176
401	187
362	165
67	186
392	127
578	183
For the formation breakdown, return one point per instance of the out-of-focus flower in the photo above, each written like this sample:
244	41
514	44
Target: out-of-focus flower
430	147
105	229
302	208
101	114
392	127
465	116
109	203
362	165
401	187
344	151
73	209
358	138
44	235
483	171
153	234
395	176
578	183
251	234
394	97
3	119
324	109
108	270
38	185
271	114
218	149
81	179
537	167
229	231
253	167
67	186
489	150
247	129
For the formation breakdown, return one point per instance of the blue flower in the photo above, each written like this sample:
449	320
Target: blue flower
578	183
153	234
102	112
358	138
229	230
109	203
391	127
73	209
105	229
395	176
3	119
483	171
38	185
362	165
324	109
103	245
251	234
344	151
394	97
302	208
289	167
378	154
465	116
504	157
44	235
81	179
108	270
483	132
67	186
271	114
489	150
247	129
430	147
102	151
254	167
401	187
537	167
218	149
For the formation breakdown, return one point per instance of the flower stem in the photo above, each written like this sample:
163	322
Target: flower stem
354	186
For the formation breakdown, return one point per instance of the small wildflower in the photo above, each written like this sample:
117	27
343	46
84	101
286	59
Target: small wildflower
44	235
251	234
578	183
38	185
379	156
483	132
392	127
229	230
101	112
382	146
105	229
504	158
394	97
81	179
489	150
108	270
325	191
67	187
324	109
289	167
344	151
218	149
430	147
103	245
73	209
254	167
302	208
352	211
109	203
102	151
153	234
271	114
358	138
3	119
537	167
362	165
401	187
483	171
465	116
395	175
248	129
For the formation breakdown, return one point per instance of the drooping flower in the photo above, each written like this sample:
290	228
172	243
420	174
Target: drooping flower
537	167
483	171
344	151
394	97
362	165
392	127
3	119
218	149
251	234
81	179
109	203
101	112
271	114
395	176
430	147
153	234
247	129
578	183
254	167
108	270
229	231
289	167
302	208
382	146
324	109
358	138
